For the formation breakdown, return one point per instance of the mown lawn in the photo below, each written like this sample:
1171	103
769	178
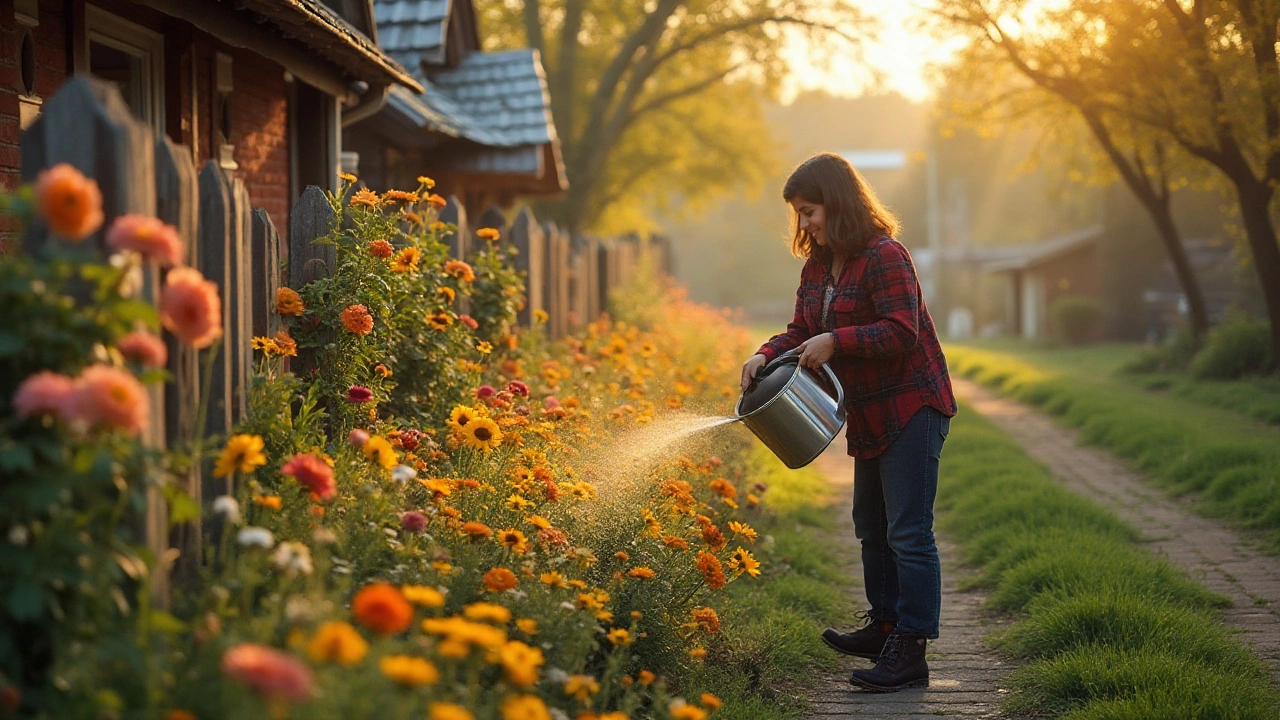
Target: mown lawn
1228	460
765	673
1104	630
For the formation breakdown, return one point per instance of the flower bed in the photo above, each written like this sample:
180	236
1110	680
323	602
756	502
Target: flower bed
431	513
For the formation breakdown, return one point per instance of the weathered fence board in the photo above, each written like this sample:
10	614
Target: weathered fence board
531	258
265	258
455	213
311	218
215	262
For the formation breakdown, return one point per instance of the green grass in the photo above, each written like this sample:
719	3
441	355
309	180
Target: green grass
1258	398
1103	630
1229	461
774	622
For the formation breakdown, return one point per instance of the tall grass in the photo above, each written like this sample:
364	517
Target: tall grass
1230	462
1104	629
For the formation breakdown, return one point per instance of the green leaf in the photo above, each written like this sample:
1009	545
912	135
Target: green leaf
26	601
166	623
133	310
182	509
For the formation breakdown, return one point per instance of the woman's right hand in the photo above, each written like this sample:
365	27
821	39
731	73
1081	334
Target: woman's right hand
751	367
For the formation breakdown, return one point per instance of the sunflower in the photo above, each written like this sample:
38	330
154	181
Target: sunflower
481	434
513	540
243	453
439	320
407	260
742	562
462	415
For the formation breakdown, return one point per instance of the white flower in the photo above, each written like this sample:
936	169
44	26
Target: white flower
258	536
292	557
557	676
558	714
19	535
403	474
227	505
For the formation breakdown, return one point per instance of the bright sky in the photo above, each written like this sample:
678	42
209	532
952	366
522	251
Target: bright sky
901	53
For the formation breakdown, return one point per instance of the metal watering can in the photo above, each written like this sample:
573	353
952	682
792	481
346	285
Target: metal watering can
796	412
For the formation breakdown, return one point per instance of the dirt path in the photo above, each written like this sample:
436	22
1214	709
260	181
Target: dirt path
1210	552
964	675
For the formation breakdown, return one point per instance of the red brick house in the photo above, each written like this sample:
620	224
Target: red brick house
263	87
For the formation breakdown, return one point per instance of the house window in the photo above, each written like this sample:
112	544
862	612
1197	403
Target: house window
132	57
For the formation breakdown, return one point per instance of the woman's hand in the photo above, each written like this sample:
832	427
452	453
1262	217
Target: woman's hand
751	367
817	350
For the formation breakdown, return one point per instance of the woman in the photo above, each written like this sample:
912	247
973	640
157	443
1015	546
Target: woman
860	309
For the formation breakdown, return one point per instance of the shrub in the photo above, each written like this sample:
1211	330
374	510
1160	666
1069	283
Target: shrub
1076	318
1238	346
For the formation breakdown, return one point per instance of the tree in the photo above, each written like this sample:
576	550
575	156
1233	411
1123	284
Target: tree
1055	62
657	98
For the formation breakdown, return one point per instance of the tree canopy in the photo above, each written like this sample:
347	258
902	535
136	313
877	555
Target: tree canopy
657	99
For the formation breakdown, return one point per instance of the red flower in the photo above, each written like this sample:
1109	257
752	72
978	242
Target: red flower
468	321
313	473
485	391
413	521
359	394
519	388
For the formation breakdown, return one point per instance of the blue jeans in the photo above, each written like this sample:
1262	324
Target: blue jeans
893	497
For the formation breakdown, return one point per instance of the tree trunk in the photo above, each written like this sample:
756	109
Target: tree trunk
1186	275
1255	209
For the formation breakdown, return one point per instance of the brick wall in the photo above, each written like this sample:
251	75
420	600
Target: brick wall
260	132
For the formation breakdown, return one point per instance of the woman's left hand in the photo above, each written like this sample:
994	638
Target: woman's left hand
817	350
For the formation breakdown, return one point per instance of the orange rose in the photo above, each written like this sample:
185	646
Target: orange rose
191	308
356	319
382	608
69	202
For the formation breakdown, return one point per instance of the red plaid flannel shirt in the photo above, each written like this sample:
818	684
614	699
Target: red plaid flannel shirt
887	355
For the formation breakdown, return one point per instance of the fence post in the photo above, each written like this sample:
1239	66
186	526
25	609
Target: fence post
311	218
454	212
556	282
265	257
178	203
216	264
242	293
490	218
531	259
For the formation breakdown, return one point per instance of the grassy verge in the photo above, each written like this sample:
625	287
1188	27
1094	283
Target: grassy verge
1105	630
761	673
1258	398
1228	460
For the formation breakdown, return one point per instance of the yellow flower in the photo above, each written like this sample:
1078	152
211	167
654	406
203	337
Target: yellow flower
428	183
540	316
442	567
400	196
406	260
513	540
646	677
582	687
711	702
448	293
641	573
439	320
462	415
487	612
741	561
698	653
379	450
484	347
681	710
243	454
409	671
367	197
481	434
271	502
422	595
524	707
619	636
448	711
337	642
554	579
527	626
742	529
539	522
752	500
490	234
520	662
347	177
515	502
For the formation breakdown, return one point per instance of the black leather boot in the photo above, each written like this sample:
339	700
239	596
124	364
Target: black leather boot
865	642
900	666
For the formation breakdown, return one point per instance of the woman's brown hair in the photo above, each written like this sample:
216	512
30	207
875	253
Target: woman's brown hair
854	215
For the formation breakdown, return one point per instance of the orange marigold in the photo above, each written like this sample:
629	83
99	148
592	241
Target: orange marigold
288	302
69	202
407	260
499	579
708	619
477	530
711	569
367	197
712	536
724	488
381	248
641	573
400	196
488	233
460	270
356	319
382	608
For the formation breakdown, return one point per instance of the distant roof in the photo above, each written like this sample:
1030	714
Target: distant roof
413	31
498	100
326	32
1021	257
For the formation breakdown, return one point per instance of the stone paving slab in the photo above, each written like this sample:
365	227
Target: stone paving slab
965	677
1222	559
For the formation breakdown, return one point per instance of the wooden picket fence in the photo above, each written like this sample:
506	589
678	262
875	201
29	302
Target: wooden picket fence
87	125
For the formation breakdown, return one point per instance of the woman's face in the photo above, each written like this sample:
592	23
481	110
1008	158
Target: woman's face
810	218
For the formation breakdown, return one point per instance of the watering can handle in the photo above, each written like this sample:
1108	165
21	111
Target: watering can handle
793	352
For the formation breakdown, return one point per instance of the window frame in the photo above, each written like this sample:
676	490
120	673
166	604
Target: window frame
147	45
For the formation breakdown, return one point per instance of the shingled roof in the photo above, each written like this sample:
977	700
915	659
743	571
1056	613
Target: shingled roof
413	31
